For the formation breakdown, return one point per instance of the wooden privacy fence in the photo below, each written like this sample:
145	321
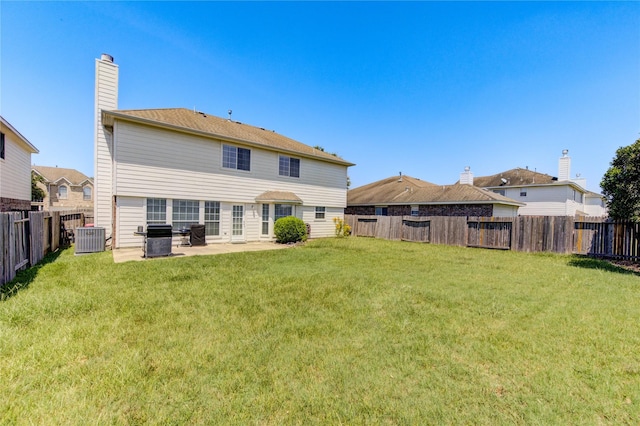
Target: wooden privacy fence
25	238
560	234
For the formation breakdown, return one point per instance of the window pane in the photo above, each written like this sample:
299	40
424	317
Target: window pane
283	210
229	157
212	217
156	210
244	159
283	167
62	192
185	213
320	212
294	167
265	219
1	145
86	193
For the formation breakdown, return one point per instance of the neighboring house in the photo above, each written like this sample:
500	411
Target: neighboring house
65	189
184	167
15	168
405	196
545	195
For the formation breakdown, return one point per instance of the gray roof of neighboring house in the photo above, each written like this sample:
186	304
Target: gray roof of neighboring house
514	177
186	120
56	174
409	190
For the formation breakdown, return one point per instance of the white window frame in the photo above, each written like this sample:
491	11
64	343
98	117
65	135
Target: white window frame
212	218
157	210
62	196
87	193
284	166
278	207
321	213
264	229
185	213
231	157
415	210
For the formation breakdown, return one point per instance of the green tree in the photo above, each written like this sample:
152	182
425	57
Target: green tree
621	183
37	193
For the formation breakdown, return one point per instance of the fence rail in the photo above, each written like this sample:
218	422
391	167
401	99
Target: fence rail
593	236
25	238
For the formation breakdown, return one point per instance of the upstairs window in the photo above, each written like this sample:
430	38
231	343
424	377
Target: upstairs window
86	193
1	145
234	157
156	210
523	193
62	192
415	211
289	166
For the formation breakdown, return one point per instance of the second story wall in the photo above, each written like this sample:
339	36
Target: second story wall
15	169
153	162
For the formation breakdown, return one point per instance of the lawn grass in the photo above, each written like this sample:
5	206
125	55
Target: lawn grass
339	331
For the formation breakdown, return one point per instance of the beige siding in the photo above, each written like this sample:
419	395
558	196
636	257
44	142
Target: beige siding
321	228
15	169
504	211
556	200
131	213
158	163
106	97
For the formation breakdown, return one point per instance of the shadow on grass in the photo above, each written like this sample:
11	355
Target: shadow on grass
603	265
24	278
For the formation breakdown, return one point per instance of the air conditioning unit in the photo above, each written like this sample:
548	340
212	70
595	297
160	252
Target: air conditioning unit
89	240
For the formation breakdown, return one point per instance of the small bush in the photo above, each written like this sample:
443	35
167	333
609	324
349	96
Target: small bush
290	229
342	229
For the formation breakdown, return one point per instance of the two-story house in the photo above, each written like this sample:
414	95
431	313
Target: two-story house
545	195
15	168
183	167
65	189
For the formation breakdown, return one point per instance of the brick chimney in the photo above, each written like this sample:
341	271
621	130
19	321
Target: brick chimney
466	177
106	98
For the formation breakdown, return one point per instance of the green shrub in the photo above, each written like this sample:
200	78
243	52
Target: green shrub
290	229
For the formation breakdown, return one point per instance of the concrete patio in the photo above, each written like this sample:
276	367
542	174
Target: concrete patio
136	254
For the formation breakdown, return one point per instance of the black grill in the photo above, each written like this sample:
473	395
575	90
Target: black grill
157	241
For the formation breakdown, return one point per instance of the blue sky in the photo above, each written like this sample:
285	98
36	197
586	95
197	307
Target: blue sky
422	88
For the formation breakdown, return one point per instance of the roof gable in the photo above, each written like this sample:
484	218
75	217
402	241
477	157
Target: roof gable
59	174
190	121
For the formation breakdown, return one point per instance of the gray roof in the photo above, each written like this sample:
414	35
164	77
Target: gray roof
409	190
56	174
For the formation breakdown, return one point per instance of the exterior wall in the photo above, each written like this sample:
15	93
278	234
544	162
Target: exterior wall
15	170
131	213
75	198
485	210
12	204
551	200
157	163
154	162
106	97
505	211
595	206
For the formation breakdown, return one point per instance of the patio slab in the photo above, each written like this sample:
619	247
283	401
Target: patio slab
136	254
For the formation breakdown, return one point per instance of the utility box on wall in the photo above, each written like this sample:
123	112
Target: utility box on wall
89	240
